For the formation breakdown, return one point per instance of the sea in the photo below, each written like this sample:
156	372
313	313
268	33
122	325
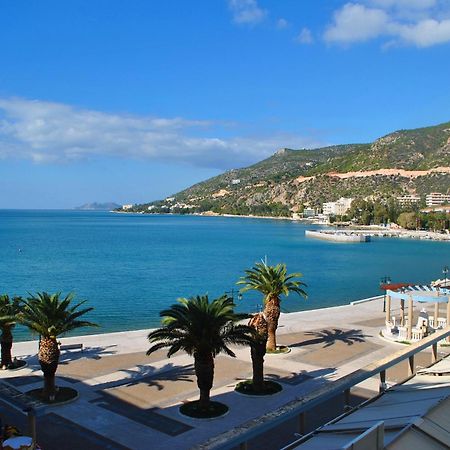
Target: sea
129	267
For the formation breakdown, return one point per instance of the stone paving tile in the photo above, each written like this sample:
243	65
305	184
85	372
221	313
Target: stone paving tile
65	434
148	417
329	347
177	384
85	367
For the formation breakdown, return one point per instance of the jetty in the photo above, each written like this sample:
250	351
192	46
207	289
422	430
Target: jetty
338	236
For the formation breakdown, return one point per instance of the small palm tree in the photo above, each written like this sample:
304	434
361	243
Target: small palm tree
9	312
258	350
50	315
272	282
202	329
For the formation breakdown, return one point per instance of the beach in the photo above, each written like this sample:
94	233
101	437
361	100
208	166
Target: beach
132	399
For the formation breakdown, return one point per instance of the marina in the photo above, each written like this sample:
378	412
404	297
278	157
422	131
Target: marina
338	236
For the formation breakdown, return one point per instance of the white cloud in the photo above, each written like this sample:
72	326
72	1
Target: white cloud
46	132
282	24
421	23
425	33
305	37
246	11
356	23
405	4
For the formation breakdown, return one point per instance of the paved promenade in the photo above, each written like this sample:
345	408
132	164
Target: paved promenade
130	400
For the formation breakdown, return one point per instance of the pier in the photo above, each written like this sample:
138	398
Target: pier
338	236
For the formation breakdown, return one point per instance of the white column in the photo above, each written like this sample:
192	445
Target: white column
410	317
388	308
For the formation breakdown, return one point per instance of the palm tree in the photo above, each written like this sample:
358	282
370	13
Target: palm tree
50	315
202	329
272	282
258	350
9	311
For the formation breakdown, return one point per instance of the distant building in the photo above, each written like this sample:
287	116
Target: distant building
309	212
170	199
126	207
406	200
235	181
436	198
151	207
338	208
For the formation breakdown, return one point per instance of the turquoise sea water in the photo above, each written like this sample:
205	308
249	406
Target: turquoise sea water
129	267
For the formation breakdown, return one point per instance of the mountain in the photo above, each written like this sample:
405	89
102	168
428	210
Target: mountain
108	206
404	162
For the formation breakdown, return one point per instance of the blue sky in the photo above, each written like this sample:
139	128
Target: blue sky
108	100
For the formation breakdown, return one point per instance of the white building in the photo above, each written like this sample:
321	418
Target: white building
405	200
309	212
338	208
235	181
436	198
126	207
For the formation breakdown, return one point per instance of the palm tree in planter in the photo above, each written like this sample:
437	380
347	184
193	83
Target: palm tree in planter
50	316
9	314
272	282
202	329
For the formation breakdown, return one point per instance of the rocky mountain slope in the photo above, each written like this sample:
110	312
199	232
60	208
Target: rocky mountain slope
406	161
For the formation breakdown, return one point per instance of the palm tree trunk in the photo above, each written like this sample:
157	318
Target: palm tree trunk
204	370
258	350
49	370
6	345
49	359
272	314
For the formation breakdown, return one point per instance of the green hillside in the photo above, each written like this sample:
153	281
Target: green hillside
269	187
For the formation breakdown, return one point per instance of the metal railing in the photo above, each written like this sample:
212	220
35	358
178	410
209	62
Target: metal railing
298	407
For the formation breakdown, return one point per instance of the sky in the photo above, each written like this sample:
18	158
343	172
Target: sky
132	101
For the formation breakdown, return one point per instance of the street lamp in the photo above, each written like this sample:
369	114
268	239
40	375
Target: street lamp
383	282
445	272
232	292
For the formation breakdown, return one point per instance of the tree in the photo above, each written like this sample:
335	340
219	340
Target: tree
9	311
258	350
408	220
272	282
50	316
202	329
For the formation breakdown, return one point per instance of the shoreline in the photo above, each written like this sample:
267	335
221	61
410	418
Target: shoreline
373	230
114	336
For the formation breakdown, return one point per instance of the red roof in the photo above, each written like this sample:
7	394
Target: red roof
394	286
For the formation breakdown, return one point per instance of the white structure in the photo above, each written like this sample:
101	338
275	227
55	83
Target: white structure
405	200
170	199
309	212
436	198
126	207
235	181
338	208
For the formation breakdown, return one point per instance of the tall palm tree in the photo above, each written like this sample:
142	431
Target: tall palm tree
9	311
50	315
202	329
272	282
258	350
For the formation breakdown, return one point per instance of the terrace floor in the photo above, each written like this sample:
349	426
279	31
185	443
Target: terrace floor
130	400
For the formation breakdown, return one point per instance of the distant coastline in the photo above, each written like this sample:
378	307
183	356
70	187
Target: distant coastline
373	230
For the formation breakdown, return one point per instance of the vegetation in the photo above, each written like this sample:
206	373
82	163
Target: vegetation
272	282
203	329
9	315
364	212
50	316
272	187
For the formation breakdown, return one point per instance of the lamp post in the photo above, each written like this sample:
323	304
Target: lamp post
232	292
445	272
385	280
